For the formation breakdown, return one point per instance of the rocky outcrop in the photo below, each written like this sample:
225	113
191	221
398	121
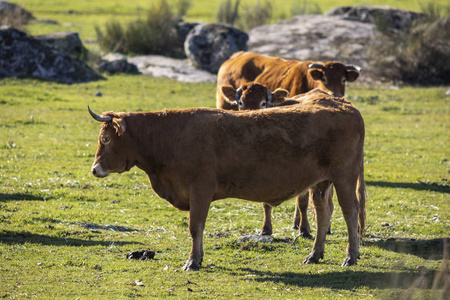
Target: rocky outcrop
395	19
114	63
209	45
178	69
314	37
68	41
12	14
24	56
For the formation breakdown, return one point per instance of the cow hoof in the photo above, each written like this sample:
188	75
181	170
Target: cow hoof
348	261
295	226
191	266
266	232
306	235
313	258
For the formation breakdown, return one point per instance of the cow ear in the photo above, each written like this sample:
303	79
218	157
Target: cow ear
352	73
229	92
316	74
278	96
119	125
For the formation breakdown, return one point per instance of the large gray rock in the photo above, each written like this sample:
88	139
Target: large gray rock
177	69
314	37
14	15
209	45
114	63
24	56
67	41
394	19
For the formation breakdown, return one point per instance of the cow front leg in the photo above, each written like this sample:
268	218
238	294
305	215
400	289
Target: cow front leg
349	204
199	207
267	224
301	216
319	196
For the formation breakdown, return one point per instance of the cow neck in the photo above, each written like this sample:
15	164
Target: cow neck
155	134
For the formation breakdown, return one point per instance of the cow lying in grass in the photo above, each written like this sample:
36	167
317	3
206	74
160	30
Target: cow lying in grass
297	77
195	156
253	96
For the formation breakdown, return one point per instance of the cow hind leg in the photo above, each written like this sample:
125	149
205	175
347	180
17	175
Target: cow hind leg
267	224
320	194
301	216
346	194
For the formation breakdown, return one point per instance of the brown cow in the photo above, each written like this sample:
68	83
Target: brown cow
297	77
195	156
253	96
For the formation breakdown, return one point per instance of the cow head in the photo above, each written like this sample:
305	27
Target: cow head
332	76
251	96
111	156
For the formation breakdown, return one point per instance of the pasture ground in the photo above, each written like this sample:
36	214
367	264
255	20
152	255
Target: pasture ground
65	233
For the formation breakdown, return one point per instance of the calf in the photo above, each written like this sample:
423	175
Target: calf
253	96
295	76
195	156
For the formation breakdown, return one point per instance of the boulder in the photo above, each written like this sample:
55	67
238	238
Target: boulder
386	16
114	63
177	69
24	56
12	14
209	45
315	37
68	41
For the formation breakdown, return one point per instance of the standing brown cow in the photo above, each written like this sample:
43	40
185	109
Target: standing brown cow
297	77
195	156
253	96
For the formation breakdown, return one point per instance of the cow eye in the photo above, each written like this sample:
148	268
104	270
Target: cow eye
106	140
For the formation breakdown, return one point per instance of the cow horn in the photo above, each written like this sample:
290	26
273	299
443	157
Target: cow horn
236	95
353	67
269	96
315	66
99	118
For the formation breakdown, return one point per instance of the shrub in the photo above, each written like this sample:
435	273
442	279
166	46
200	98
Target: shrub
228	12
256	15
305	8
156	34
419	54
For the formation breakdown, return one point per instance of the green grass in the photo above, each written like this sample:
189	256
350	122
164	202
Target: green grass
65	233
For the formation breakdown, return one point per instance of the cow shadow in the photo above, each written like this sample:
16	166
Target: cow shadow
20	197
433	249
349	279
22	237
418	186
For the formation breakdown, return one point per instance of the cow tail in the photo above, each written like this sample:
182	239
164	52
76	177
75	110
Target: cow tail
361	195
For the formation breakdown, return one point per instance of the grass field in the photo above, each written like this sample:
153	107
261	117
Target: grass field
64	233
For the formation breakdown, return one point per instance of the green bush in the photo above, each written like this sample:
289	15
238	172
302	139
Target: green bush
419	54
228	12
252	15
156	34
305	8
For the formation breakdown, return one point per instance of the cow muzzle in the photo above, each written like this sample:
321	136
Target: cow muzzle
98	171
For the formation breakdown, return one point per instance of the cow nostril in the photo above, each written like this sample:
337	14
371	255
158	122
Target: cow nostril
94	171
